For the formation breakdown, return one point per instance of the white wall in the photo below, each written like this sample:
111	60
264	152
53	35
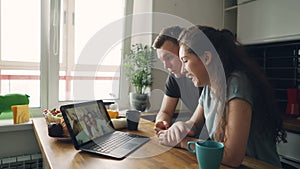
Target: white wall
205	12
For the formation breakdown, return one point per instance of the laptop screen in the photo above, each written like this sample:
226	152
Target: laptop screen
87	121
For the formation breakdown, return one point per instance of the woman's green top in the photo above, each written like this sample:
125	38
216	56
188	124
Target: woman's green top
260	144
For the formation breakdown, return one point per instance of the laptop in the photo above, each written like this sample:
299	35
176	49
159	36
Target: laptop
92	130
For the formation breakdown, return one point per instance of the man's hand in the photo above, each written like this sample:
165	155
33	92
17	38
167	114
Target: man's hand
175	134
161	125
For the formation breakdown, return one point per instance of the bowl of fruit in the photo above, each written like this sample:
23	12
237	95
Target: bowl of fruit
56	124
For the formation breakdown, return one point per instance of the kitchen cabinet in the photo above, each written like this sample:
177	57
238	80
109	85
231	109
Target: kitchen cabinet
230	15
263	21
290	152
203	12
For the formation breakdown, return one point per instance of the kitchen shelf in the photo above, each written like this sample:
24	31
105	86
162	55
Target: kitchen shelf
231	8
230	15
229	3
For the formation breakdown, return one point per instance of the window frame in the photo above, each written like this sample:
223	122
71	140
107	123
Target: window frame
49	62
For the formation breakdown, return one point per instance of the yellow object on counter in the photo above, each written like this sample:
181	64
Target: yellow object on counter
112	113
21	113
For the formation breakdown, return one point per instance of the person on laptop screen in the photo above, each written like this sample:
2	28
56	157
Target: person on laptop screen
77	122
91	124
96	124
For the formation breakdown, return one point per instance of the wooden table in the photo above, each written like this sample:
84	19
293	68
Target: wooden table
61	154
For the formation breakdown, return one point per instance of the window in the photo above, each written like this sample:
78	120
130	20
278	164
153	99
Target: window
86	18
20	48
41	45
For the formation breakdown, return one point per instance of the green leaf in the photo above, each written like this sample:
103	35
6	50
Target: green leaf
138	63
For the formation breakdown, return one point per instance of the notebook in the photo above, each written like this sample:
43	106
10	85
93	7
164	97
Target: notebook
91	130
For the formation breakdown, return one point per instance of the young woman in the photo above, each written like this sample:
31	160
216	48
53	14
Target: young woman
236	103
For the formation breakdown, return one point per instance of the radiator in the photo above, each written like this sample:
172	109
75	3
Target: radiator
32	161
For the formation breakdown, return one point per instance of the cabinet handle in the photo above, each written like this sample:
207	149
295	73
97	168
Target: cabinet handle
246	2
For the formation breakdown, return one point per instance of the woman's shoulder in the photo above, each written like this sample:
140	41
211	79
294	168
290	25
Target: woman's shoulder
239	86
237	76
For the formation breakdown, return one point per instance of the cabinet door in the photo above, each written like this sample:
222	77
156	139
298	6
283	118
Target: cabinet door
262	21
288	151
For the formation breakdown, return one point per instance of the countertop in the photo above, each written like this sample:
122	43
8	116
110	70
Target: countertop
292	124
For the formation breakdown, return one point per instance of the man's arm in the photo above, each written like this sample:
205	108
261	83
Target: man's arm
164	116
179	133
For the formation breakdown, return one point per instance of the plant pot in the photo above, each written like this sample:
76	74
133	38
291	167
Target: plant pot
138	101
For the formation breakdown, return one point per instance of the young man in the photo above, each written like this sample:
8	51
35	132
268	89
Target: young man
177	86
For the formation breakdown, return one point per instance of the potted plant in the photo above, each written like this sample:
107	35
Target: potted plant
138	63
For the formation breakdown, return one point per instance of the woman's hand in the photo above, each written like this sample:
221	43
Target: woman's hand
175	134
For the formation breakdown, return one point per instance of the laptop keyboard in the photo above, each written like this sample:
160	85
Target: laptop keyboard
112	142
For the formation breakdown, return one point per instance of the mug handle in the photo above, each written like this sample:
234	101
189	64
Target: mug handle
189	146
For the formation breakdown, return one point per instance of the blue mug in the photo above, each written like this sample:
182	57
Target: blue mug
209	153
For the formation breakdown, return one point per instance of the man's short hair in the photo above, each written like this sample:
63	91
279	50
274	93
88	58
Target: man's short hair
170	33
